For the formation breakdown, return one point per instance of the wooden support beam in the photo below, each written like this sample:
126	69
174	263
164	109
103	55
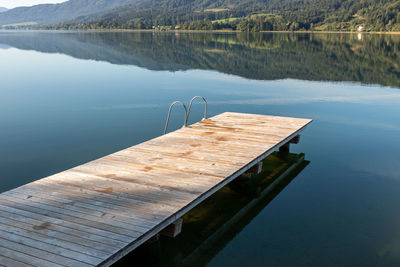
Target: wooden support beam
256	169
173	229
153	239
286	147
295	140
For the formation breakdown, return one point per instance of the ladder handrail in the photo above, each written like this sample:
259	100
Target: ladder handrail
190	106
169	114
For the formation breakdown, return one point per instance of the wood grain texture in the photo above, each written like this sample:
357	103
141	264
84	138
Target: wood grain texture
95	213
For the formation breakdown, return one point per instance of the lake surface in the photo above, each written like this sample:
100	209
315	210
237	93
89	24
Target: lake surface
70	97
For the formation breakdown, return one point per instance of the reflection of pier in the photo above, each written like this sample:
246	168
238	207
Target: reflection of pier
96	213
211	225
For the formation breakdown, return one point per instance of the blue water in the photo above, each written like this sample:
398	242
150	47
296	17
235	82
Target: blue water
68	98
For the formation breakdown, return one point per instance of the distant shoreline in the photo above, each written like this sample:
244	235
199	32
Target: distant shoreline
204	31
228	31
335	32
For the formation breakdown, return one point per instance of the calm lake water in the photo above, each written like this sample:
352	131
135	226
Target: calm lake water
70	97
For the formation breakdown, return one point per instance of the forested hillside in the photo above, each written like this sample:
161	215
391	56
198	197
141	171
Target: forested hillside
249	15
54	13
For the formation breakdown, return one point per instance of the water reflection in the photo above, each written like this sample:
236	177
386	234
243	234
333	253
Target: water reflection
370	59
211	226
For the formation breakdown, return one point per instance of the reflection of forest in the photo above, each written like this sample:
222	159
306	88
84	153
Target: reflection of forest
211	225
363	58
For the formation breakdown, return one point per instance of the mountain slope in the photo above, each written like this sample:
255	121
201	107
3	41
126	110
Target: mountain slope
377	15
53	13
167	12
3	9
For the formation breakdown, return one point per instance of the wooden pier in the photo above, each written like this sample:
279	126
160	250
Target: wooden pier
95	213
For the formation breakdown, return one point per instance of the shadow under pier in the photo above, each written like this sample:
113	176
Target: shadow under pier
210	226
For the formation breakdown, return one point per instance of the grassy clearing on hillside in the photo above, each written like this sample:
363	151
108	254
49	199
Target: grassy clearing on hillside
21	24
254	16
225	20
216	10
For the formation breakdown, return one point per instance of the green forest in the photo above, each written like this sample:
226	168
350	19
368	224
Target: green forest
247	15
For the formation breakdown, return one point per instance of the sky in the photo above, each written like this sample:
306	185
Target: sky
17	3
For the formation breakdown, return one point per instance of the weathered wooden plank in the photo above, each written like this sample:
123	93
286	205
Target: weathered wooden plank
117	199
5	262
115	232
26	230
220	148
243	133
222	134
46	221
52	230
100	211
145	163
28	260
136	190
107	180
151	176
266	119
62	255
101	199
73	212
93	201
266	128
47	257
190	152
124	164
160	158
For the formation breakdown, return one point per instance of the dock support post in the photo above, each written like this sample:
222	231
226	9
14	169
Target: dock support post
286	147
295	140
256	169
153	239
173	229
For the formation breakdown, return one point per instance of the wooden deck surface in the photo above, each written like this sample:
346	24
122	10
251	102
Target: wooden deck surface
97	212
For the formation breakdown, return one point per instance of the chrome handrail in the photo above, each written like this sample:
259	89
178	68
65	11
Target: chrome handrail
190	106
169	114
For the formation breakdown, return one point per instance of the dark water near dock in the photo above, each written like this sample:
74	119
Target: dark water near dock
68	98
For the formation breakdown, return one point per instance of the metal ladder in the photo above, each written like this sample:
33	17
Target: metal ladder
187	111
